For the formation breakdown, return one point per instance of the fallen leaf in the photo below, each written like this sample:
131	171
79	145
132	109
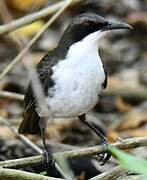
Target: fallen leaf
25	5
122	105
112	136
137	132
6	132
133	119
30	29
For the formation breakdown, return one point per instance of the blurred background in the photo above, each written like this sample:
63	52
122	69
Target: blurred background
122	109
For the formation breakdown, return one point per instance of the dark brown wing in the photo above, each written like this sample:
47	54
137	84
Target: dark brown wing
30	122
44	72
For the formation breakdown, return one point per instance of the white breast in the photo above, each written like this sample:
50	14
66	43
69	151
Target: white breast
78	79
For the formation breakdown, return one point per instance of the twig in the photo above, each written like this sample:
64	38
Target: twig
34	16
10	95
7	17
34	39
113	173
22	175
22	137
78	153
138	93
116	173
28	142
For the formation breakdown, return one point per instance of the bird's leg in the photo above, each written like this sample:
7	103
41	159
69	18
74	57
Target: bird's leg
106	155
48	157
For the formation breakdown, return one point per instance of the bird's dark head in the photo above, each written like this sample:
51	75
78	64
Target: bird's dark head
86	24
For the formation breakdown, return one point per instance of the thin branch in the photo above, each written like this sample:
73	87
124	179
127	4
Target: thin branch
34	39
22	175
78	153
22	137
28	142
11	95
7	17
34	16
138	93
31	144
113	173
116	173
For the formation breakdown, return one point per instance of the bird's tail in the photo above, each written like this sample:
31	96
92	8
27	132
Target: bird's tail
30	123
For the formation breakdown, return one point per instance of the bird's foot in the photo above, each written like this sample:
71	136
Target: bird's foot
105	156
48	160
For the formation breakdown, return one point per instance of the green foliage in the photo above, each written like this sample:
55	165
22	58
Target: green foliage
63	163
130	162
44	173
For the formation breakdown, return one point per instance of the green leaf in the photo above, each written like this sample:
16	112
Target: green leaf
63	163
130	162
44	173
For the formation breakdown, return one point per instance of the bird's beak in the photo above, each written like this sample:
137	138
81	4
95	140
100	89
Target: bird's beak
116	25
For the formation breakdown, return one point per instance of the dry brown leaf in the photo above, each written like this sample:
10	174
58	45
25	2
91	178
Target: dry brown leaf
114	82
81	176
137	132
133	120
33	138
29	30
5	132
36	57
25	5
112	136
122	105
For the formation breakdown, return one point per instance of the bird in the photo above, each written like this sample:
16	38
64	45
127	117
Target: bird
72	76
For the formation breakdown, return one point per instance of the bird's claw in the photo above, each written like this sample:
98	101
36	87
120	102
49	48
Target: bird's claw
48	160
105	156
